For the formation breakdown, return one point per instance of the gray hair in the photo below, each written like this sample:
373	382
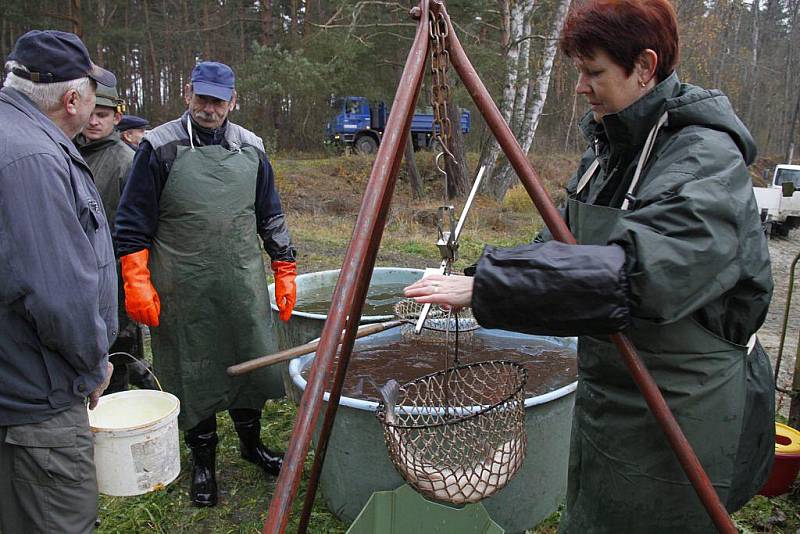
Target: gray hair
47	96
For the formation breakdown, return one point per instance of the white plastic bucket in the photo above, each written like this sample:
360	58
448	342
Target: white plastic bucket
136	446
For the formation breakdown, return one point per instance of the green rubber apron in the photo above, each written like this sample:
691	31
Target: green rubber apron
207	267
623	475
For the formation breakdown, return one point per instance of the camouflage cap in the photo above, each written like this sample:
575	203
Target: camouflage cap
108	97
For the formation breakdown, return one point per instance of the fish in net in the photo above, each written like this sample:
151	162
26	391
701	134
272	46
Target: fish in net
457	435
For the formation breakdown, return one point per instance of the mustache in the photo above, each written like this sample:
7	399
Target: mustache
208	116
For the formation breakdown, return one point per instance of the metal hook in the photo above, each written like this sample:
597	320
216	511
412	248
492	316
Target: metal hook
438	166
442	170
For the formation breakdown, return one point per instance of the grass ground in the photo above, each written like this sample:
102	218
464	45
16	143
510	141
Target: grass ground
321	198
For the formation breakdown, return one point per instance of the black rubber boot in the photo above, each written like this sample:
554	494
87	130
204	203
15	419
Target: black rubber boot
202	441
248	425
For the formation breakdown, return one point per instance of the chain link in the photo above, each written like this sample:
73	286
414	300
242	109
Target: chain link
440	90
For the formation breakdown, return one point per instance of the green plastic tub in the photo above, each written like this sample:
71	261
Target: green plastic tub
357	463
404	511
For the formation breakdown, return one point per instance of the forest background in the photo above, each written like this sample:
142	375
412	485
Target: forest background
293	58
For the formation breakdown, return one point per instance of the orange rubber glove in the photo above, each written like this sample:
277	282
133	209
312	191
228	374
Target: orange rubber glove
141	300
285	287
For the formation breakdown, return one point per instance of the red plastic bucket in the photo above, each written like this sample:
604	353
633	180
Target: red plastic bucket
787	461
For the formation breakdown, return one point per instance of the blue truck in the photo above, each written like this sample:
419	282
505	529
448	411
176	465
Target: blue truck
360	124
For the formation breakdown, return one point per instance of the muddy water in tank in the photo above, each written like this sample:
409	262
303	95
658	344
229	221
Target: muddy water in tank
381	299
406	358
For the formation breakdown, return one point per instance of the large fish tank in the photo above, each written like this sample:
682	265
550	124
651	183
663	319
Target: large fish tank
314	292
357	462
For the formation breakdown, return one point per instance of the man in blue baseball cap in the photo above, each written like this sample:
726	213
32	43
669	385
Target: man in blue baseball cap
131	129
58	288
48	56
200	193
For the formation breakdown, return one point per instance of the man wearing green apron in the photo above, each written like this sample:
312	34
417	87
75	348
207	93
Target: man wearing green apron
200	193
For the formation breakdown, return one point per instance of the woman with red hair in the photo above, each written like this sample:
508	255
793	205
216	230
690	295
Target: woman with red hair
671	253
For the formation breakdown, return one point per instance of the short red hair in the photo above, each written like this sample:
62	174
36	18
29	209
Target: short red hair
623	29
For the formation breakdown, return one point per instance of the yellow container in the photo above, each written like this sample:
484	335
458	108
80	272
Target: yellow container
787	439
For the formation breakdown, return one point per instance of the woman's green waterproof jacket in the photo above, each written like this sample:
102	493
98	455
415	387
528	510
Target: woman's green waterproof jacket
682	268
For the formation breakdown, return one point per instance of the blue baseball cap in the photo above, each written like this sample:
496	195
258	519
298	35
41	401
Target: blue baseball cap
131	122
53	56
210	78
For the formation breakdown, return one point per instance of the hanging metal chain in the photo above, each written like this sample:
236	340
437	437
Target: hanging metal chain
440	90
442	129
442	132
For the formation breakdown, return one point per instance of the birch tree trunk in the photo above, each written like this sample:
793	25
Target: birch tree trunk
517	11
523	74
534	109
525	129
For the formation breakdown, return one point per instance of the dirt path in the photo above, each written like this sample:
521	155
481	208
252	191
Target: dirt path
782	251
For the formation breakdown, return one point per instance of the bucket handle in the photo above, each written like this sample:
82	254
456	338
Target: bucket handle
137	360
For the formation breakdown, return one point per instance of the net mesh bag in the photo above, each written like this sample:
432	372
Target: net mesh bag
440	323
458	435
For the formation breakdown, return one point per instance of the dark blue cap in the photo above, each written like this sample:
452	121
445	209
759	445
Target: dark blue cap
210	78
53	56
130	122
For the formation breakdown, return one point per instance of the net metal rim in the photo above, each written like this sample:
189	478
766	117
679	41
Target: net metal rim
462	321
442	410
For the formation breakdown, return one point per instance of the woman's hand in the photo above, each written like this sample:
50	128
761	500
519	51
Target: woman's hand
454	290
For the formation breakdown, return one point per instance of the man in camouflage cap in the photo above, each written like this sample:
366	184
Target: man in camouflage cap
110	159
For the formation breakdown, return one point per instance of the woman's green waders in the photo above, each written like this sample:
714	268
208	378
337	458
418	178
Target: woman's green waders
623	475
207	267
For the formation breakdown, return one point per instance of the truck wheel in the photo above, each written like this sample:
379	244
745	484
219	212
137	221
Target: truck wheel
366	145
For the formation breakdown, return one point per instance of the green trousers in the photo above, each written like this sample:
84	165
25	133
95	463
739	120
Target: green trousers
48	481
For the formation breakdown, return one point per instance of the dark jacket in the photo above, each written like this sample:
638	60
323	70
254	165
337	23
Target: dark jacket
110	160
137	218
692	240
58	293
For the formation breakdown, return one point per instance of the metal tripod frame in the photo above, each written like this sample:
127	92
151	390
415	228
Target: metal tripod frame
351	288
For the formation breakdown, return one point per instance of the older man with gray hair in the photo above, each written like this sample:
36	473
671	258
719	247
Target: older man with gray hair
58	295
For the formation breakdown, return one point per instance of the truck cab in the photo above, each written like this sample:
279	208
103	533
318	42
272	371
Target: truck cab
360	124
779	203
357	124
784	174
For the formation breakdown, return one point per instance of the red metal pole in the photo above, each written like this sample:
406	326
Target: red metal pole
345	353
555	223
350	291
